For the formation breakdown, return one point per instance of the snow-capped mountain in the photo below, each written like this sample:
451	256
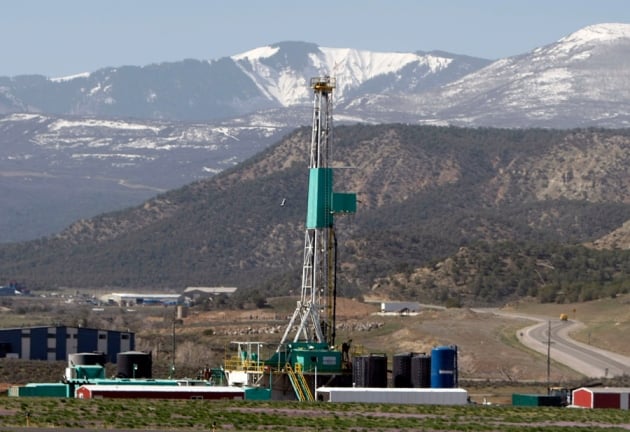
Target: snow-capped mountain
69	149
275	76
282	72
581	80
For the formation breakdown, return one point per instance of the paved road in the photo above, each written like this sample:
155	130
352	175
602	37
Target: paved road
586	359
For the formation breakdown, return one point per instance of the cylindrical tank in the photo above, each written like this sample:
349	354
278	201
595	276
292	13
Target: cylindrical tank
421	371
444	367
370	371
401	371
134	364
87	359
358	371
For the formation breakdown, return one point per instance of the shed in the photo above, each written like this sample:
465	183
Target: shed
400	307
601	397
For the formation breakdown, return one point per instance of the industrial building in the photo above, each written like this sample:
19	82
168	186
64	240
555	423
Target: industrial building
195	292
134	299
55	343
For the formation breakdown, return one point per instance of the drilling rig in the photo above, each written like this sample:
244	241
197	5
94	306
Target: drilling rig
307	348
315	311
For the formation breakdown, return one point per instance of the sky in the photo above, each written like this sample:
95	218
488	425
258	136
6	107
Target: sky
57	38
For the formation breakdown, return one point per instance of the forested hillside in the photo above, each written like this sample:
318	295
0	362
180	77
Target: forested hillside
473	216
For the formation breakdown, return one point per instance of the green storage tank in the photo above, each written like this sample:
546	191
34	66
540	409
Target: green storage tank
45	390
535	400
257	393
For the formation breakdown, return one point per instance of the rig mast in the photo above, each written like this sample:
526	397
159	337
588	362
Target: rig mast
319	282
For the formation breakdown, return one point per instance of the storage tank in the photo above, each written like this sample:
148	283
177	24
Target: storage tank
444	367
370	371
87	359
421	371
134	364
359	364
401	371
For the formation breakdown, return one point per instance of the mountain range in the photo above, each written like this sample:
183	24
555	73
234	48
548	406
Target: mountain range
580	80
266	78
481	215
73	147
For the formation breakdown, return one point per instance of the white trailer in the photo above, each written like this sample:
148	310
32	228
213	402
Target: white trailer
417	396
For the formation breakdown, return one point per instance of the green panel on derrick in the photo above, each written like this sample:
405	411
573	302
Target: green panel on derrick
344	202
318	214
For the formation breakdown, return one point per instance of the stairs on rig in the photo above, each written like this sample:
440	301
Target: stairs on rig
298	381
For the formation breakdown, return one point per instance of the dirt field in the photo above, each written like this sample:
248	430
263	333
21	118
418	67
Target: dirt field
492	364
490	359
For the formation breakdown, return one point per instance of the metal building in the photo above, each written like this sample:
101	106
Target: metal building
55	343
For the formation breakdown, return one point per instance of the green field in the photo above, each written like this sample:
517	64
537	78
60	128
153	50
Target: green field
115	414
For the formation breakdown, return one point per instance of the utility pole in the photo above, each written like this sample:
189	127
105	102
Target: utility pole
549	358
172	374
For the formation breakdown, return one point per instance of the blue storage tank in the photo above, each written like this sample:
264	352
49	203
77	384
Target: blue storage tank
444	367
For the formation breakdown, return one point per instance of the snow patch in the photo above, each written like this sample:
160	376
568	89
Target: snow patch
22	117
211	170
350	67
577	46
70	77
256	53
353	67
598	33
93	123
94	89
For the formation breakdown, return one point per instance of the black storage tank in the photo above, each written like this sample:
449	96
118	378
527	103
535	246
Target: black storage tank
370	371
421	371
401	372
87	359
134	364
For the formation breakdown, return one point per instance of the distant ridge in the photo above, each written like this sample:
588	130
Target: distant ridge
478	215
195	118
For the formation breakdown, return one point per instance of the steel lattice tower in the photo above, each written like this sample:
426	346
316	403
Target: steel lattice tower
318	293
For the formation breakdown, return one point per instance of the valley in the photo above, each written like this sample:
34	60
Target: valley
492	361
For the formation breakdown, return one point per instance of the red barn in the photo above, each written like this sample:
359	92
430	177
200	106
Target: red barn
602	397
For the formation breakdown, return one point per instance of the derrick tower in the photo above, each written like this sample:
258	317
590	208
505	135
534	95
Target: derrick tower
315	311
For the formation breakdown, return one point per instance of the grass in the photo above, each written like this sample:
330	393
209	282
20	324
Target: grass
294	416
